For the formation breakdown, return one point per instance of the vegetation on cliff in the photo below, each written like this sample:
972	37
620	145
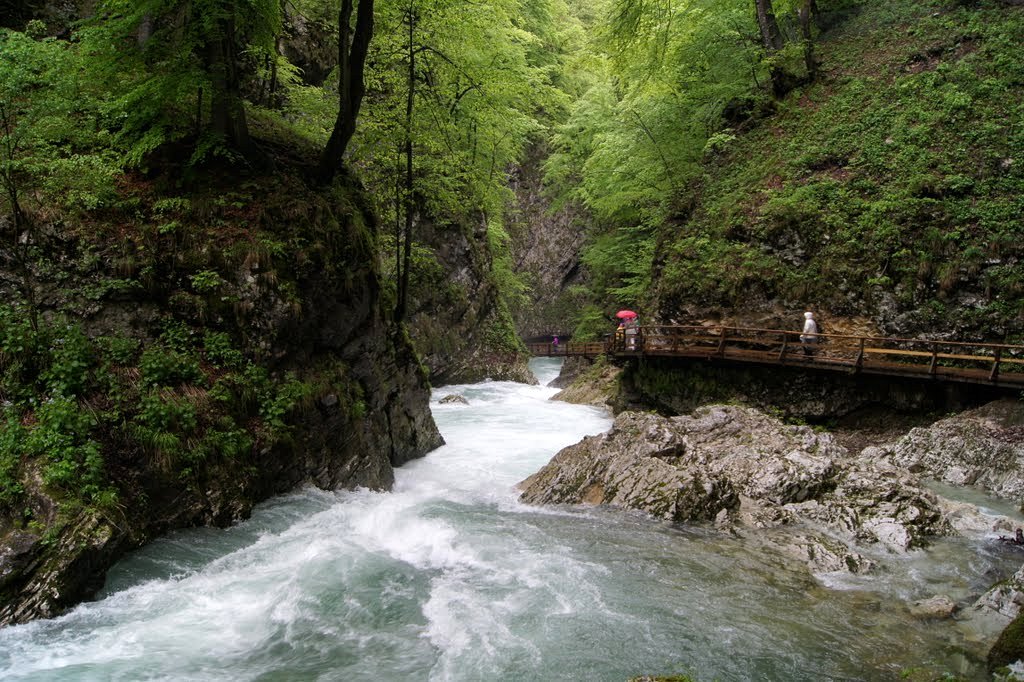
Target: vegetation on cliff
880	176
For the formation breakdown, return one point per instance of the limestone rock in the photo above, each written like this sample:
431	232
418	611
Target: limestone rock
454	398
595	384
745	470
982	447
937	607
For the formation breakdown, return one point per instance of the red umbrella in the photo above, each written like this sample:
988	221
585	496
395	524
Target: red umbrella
625	314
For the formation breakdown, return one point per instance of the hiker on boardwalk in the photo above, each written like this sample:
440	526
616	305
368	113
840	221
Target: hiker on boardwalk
809	337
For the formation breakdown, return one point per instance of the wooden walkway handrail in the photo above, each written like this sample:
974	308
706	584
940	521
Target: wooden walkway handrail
928	358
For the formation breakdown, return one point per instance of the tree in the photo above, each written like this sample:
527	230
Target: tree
456	94
771	37
409	202
181	71
353	47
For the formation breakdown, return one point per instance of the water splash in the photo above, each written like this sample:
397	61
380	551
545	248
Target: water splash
450	578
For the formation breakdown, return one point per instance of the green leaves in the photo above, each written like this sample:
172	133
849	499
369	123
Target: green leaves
49	139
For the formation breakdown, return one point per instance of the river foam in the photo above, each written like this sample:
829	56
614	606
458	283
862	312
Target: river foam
449	577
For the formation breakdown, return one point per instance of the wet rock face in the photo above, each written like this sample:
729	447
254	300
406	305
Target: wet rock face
546	245
457	318
72	564
982	447
748	472
333	336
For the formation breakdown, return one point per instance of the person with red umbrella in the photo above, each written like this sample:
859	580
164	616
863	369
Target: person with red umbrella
631	326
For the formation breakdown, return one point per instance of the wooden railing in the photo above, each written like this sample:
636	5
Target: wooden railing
973	362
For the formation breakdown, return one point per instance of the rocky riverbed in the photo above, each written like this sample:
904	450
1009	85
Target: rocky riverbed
799	492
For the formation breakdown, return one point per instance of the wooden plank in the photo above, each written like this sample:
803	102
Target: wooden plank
928	354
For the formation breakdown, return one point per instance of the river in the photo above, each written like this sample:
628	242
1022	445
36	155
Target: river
448	577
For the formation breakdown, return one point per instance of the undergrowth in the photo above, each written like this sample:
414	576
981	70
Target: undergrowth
76	408
894	178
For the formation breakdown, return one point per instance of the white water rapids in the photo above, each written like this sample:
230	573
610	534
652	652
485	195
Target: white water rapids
448	577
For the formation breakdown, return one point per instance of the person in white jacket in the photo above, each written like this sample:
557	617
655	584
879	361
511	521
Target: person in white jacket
809	337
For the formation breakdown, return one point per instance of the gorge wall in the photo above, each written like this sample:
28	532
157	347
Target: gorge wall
230	346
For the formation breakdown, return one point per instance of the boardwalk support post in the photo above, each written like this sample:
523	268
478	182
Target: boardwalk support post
994	376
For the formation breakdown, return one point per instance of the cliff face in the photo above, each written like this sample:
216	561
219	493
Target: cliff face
546	242
459	318
251	356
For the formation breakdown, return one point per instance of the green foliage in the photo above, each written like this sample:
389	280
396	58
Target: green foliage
72	359
53	376
512	286
206	281
12	437
165	367
221	352
62	435
178	336
482	86
175	67
49	139
895	176
121	350
162	411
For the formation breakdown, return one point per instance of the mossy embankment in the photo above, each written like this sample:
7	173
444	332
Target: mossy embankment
189	350
888	188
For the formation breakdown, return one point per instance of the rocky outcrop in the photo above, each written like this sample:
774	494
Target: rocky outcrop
587	382
680	387
983	447
459	320
310	315
747	471
546	242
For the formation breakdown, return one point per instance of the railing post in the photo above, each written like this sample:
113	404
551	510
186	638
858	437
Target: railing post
785	342
935	359
721	342
860	357
994	376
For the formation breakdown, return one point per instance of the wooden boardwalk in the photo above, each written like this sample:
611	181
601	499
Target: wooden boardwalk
991	364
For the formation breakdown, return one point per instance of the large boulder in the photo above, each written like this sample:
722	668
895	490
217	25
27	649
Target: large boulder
982	447
747	472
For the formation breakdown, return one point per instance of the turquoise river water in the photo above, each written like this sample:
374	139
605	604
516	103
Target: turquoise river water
448	577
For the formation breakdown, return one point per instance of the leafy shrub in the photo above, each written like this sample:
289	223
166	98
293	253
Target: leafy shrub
221	352
178	336
206	281
164	412
12	437
62	436
163	367
71	361
120	349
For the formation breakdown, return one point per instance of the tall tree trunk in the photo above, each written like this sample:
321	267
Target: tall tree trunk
807	14
771	37
403	281
227	112
353	46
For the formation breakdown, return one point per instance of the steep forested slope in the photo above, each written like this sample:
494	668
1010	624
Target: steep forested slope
865	163
889	187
